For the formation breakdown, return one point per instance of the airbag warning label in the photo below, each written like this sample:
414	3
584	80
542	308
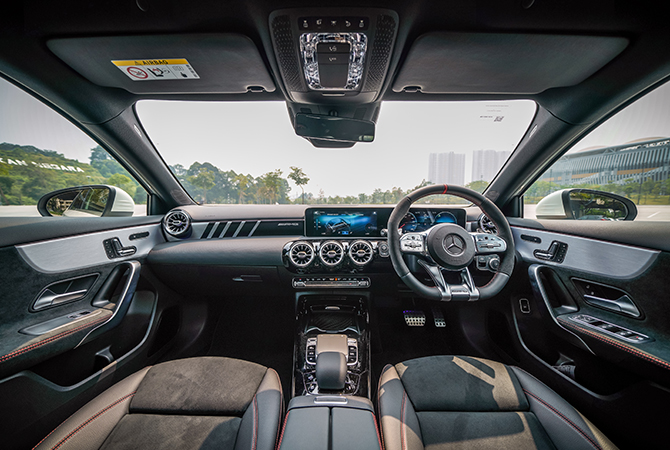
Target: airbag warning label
156	69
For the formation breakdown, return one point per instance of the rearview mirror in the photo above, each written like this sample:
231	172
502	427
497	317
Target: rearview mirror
87	201
585	204
333	128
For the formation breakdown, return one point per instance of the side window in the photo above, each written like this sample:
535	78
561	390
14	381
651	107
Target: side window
622	165
42	152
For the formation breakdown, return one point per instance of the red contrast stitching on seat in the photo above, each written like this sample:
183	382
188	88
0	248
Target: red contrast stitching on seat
374	419
619	345
402	422
91	419
281	407
254	431
22	350
283	429
568	421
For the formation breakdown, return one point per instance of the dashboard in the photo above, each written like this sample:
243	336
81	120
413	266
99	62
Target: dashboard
306	240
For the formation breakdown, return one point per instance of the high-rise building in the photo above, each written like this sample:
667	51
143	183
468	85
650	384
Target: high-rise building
447	168
487	163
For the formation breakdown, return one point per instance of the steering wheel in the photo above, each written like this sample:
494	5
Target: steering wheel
448	246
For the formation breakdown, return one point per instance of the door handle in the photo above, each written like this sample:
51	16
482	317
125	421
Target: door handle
622	304
128	273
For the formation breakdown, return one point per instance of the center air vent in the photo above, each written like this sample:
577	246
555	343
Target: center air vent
360	252
331	253
177	223
301	254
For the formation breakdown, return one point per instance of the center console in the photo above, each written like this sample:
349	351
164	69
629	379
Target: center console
330	408
329	325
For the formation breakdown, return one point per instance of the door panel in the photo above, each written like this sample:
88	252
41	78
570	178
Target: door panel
599	319
76	317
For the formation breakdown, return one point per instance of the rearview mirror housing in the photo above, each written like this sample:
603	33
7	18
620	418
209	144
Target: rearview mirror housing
585	204
87	201
334	128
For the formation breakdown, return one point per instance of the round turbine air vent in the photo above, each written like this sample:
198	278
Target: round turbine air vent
177	223
360	252
301	254
331	253
487	225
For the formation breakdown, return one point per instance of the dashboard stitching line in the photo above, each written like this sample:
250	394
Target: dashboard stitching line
619	345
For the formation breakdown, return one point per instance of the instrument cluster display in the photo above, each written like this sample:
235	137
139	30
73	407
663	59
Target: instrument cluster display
422	219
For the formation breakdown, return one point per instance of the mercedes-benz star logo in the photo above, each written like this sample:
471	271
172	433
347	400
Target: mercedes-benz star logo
454	245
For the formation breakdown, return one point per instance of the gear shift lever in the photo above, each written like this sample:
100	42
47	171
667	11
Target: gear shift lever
331	370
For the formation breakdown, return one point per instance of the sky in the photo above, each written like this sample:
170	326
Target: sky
27	121
254	138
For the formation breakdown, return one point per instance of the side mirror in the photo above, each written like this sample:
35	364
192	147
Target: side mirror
585	204
87	201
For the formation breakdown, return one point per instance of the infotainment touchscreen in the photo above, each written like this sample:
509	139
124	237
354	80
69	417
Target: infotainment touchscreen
354	223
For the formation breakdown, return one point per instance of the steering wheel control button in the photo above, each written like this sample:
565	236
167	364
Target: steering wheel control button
494	264
489	243
412	243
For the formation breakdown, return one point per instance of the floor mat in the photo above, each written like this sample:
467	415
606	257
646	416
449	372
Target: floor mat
259	330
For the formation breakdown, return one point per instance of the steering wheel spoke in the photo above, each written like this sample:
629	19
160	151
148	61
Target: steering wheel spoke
465	291
486	243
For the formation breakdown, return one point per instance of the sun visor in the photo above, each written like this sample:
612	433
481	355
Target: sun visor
460	63
226	63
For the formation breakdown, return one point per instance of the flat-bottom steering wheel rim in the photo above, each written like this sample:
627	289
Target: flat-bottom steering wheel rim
500	277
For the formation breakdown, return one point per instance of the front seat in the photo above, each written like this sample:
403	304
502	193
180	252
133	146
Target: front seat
458	402
197	403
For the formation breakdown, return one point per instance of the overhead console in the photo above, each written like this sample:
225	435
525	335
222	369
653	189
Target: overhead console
324	55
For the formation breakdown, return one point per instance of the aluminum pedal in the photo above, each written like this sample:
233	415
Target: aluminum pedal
438	317
414	318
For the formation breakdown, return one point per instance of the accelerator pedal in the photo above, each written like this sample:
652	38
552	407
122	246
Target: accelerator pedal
439	318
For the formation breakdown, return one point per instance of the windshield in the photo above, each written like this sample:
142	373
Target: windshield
247	152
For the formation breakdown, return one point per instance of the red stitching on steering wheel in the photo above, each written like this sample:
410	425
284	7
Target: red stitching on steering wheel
446	188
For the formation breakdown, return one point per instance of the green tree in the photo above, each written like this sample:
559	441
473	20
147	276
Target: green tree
478	186
271	186
4	170
242	183
121	181
203	180
299	178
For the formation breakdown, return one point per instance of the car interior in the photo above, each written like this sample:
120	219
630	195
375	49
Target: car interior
405	324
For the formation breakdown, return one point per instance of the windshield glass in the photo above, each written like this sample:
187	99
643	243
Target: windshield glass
247	152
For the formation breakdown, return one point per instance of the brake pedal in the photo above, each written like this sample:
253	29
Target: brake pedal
438	317
414	318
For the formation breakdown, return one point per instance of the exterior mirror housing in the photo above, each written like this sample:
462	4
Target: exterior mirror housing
585	204
87	201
